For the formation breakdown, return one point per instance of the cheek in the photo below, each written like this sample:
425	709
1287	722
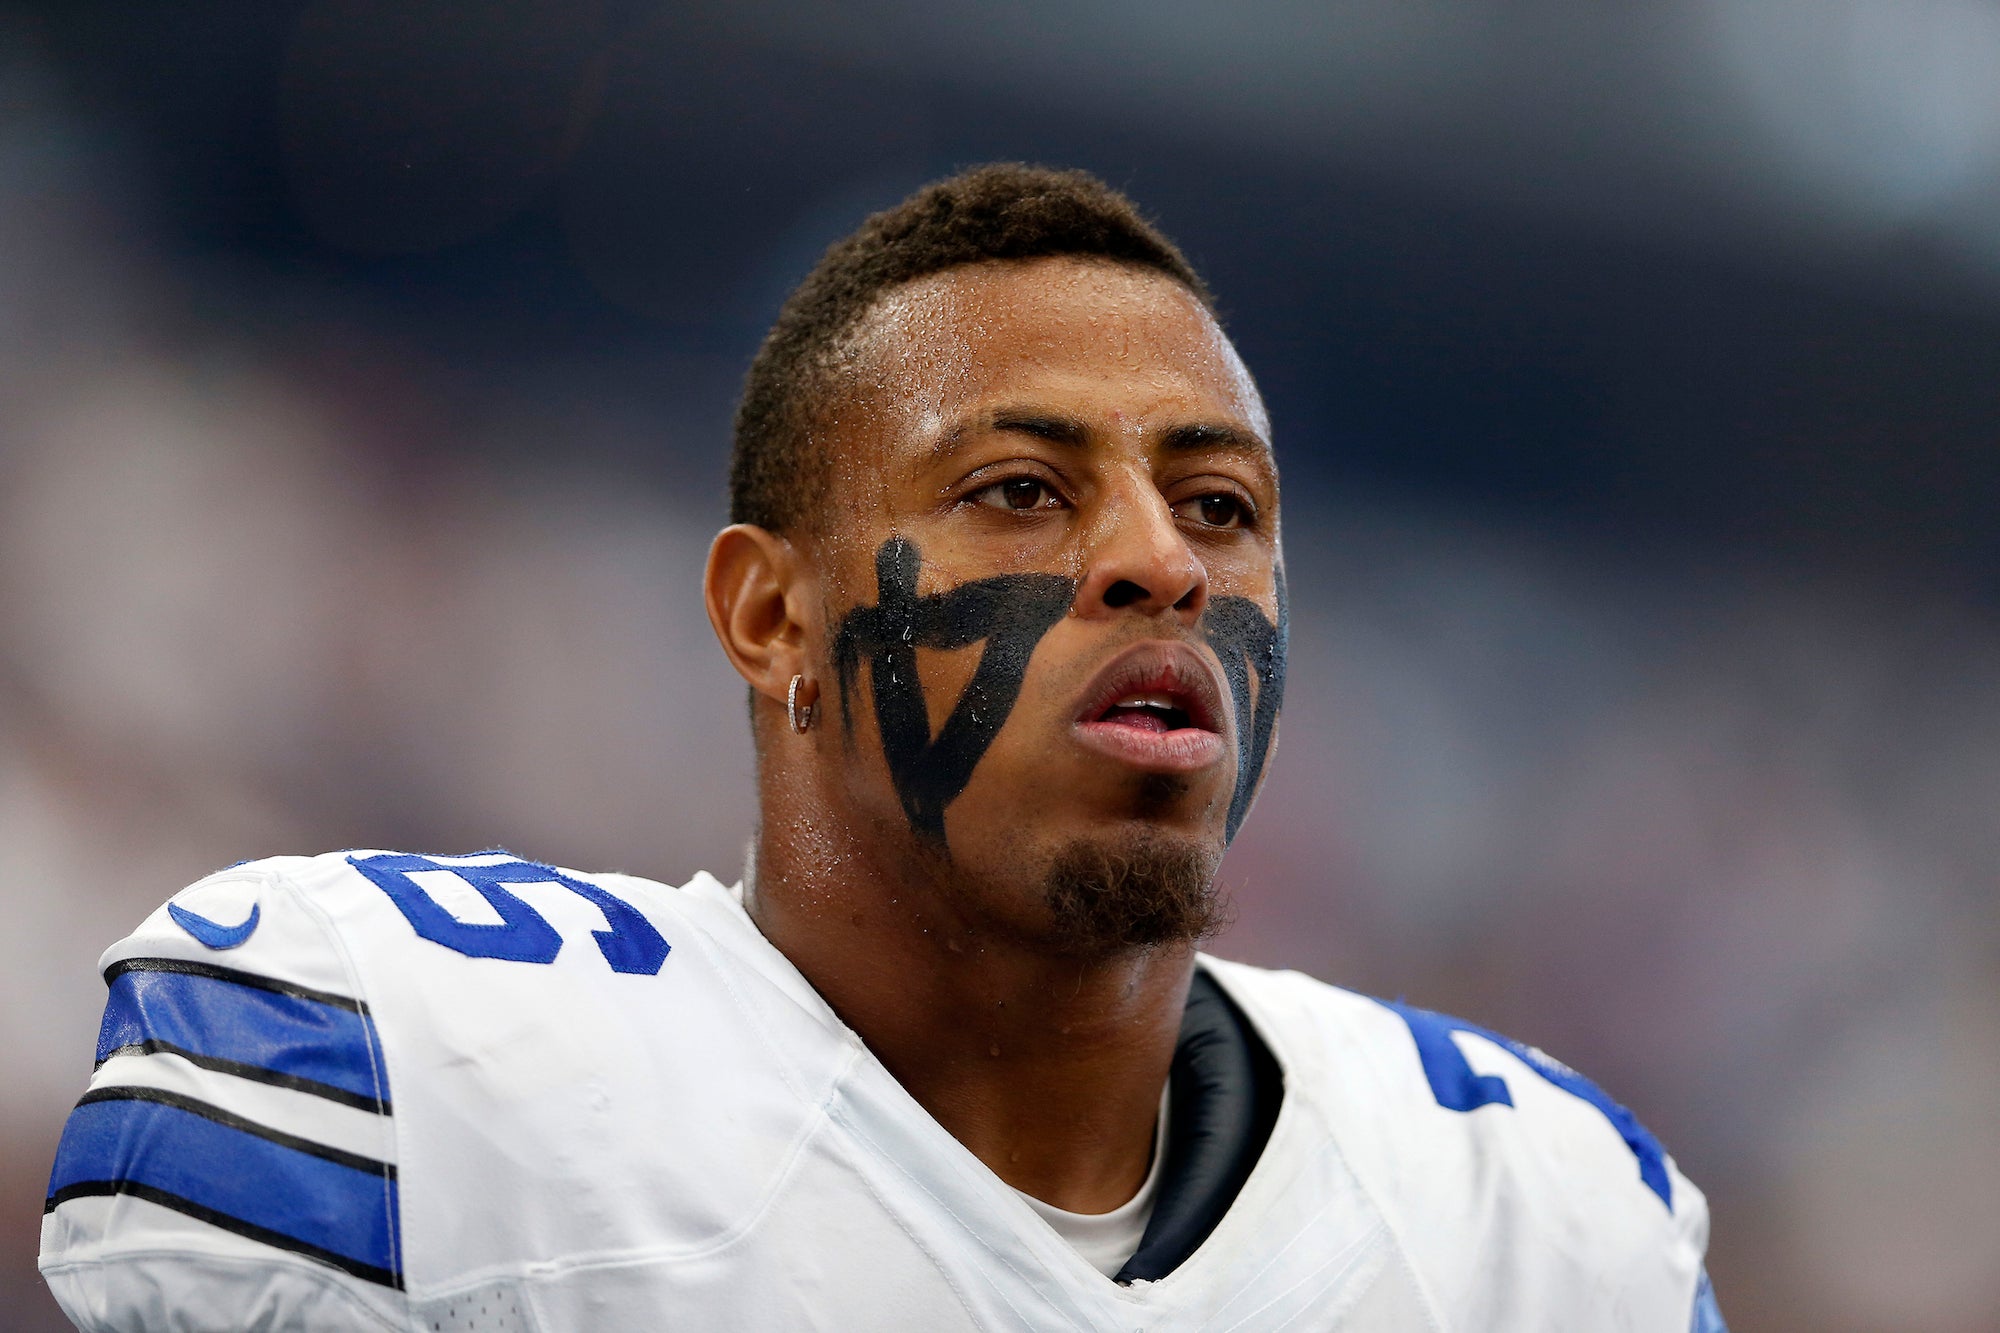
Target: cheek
945	674
1017	795
1032	763
1247	575
1027	750
978	638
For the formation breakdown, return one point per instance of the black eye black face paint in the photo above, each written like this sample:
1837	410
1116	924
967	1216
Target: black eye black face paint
1245	642
1011	613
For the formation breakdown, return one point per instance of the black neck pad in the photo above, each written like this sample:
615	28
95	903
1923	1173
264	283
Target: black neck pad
1227	1088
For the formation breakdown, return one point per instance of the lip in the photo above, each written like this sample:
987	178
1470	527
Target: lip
1159	667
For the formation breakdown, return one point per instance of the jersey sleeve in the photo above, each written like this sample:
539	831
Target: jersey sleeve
1522	1194
1621	1227
232	1164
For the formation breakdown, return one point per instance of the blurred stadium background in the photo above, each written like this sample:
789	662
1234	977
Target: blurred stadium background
365	376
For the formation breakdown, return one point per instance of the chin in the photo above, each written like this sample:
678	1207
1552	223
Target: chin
1139	888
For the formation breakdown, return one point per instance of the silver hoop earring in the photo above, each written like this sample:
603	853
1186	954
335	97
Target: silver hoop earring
802	718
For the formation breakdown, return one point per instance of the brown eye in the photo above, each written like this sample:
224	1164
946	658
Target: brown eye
1017	493
1215	511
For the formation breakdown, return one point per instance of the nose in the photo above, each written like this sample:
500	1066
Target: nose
1137	559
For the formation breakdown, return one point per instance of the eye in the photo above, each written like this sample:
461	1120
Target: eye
1018	493
1217	510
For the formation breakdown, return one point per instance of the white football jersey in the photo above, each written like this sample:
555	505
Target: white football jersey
376	1090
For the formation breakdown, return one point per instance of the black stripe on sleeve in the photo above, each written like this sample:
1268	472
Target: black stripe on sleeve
251	979
276	1239
256	1073
340	1157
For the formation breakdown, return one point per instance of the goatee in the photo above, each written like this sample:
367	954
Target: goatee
1104	899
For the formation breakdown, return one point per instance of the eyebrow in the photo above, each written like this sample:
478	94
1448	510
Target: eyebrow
1059	429
1186	439
1042	425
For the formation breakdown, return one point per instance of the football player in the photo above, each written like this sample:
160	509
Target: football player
1005	581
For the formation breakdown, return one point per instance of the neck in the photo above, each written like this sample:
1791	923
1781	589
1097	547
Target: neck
1047	1066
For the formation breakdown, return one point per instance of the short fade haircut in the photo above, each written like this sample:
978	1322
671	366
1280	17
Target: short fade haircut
1003	211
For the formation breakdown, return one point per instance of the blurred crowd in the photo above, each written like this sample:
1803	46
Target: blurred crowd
1719	833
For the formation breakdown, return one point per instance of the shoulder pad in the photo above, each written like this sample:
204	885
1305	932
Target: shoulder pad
1478	1144
240	1109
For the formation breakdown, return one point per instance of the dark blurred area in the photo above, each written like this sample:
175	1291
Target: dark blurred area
367	371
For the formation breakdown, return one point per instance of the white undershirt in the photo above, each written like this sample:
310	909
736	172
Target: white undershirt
1107	1240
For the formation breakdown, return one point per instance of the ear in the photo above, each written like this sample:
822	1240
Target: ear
759	602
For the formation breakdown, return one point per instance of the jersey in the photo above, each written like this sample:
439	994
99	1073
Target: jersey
379	1090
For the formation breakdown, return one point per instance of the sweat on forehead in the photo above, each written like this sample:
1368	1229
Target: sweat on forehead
1080	339
932	331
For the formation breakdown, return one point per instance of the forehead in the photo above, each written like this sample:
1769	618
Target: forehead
1080	333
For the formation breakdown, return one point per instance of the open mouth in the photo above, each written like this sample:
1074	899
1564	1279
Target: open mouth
1157	707
1148	712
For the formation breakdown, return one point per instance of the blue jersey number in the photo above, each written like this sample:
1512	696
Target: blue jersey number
1457	1088
522	935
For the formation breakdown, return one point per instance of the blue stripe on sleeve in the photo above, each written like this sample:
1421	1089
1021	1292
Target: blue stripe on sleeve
245	1023
180	1155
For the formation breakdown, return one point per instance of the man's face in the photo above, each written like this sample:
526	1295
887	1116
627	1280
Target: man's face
1052	584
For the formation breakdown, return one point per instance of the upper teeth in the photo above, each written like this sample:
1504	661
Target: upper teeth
1146	701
